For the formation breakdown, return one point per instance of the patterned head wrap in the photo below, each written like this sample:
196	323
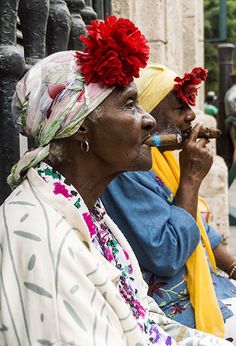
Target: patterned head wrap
50	102
55	96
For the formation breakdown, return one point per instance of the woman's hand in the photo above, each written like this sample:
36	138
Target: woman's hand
195	162
195	159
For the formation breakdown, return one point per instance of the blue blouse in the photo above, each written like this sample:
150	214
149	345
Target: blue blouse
163	236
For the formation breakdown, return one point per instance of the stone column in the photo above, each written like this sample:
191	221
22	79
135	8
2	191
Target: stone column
33	17
88	12
193	39
58	27
77	24
11	68
224	144
98	6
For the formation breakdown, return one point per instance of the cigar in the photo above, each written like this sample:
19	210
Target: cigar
163	140
205	132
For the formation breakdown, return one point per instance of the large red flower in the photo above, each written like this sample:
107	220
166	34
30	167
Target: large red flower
187	87
114	52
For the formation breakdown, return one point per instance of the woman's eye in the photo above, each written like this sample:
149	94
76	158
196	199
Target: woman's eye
180	108
130	104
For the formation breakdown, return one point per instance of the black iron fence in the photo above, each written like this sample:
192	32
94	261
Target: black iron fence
30	30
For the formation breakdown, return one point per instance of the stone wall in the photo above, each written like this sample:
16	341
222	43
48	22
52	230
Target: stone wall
174	30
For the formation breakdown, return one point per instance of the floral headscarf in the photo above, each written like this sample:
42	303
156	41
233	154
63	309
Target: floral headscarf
56	95
51	102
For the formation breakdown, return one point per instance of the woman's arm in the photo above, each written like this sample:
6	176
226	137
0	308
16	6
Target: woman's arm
195	162
225	261
153	226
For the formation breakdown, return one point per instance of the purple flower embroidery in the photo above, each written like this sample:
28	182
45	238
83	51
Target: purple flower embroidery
61	189
154	333
92	228
168	341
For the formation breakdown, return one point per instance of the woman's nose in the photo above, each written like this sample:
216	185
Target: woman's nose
148	122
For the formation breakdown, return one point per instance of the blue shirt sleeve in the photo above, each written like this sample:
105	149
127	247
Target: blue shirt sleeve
162	235
213	235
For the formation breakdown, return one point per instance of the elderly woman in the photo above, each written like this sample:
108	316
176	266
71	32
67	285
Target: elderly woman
68	276
157	212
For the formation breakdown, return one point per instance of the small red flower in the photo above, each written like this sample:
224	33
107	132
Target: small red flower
187	87
114	52
177	309
154	286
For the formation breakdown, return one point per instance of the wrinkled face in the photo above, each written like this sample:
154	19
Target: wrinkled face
172	116
118	129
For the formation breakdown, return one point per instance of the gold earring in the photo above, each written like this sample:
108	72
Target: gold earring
84	146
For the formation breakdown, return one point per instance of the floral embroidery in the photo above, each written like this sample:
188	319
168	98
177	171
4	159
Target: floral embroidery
177	308
92	228
155	286
61	189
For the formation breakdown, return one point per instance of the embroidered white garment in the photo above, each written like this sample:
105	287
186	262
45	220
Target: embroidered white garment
58	289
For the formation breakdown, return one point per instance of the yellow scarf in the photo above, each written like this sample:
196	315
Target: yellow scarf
154	84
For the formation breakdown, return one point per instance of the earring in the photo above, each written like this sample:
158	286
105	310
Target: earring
84	146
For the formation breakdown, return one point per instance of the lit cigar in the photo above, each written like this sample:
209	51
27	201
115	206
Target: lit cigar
205	132
163	140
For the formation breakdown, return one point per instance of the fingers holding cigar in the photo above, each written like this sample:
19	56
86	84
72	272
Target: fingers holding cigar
201	141
205	132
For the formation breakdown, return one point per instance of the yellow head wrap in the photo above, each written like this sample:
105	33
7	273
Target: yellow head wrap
154	84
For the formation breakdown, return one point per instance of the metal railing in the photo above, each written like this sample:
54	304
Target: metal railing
40	27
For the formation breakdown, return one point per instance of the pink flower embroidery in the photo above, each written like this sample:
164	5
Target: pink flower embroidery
108	254
126	254
89	222
61	189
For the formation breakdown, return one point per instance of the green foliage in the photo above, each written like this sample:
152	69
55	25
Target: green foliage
211	24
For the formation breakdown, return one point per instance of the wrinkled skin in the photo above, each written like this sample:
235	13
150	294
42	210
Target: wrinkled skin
116	133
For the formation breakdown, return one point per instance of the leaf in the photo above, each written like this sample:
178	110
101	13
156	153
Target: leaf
24	217
74	315
45	342
38	289
23	203
27	235
3	328
74	289
31	262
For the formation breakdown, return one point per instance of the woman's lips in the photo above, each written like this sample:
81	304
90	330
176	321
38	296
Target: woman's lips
144	140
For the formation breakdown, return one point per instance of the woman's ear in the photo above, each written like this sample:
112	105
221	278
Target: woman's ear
82	133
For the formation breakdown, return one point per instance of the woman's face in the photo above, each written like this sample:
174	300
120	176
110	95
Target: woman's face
118	129
172	116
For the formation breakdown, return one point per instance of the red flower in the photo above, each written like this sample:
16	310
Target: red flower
114	52
186	87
